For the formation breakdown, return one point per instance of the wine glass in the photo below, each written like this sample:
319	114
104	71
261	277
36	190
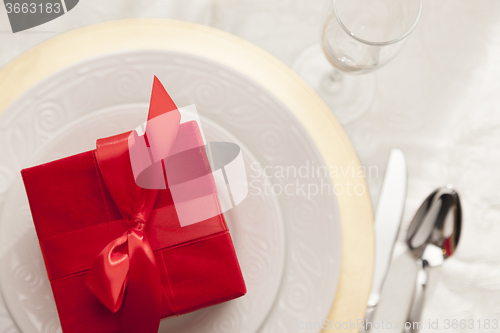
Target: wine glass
357	37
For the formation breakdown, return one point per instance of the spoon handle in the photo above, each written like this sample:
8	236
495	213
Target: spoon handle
417	302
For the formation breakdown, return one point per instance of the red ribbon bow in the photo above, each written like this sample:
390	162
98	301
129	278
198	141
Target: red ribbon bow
129	259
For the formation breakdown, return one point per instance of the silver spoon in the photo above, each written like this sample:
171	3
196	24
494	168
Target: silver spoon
432	237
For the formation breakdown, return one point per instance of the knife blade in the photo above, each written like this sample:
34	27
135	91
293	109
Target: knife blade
388	217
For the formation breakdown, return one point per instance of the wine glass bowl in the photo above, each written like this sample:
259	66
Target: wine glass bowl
357	37
360	36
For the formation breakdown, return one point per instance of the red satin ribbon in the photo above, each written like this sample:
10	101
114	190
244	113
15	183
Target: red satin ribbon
128	261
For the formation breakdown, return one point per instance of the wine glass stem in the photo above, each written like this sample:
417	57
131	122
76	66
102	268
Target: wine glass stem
332	80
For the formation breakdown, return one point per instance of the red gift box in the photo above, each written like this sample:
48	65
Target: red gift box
76	216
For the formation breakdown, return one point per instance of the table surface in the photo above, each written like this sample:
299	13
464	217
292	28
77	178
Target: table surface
436	101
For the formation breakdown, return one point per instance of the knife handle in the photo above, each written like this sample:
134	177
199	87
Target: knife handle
370	311
417	303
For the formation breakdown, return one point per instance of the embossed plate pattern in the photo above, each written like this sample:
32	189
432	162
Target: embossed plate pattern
289	246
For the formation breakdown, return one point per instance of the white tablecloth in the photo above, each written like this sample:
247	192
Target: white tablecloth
437	101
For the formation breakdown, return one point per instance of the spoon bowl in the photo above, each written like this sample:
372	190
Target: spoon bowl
432	237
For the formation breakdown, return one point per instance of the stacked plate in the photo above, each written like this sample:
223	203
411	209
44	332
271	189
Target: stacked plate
287	234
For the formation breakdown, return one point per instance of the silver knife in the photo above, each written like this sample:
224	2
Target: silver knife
387	221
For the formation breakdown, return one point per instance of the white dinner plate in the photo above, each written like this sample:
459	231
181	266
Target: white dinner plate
287	237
